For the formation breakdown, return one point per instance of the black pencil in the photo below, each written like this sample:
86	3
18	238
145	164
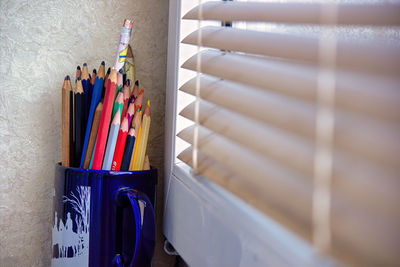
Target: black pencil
79	122
85	77
130	141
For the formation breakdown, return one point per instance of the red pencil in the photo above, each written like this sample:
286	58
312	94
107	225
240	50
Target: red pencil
126	98
120	146
105	121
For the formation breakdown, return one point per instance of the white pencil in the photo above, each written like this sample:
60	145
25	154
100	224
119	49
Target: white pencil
111	142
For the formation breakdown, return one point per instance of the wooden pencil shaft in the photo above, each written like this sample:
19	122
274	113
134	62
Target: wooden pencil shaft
93	135
65	125
71	127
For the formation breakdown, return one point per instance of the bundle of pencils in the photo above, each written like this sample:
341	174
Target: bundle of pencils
102	123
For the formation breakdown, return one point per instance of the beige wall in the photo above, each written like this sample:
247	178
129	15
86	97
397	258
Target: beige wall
41	42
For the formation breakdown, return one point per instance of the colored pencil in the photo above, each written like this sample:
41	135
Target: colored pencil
146	165
106	78
120	146
93	134
135	91
130	141
118	104
91	86
144	135
79	121
124	79
137	123
65	122
85	85
119	83
105	121
78	73
126	92
92	157
130	112
112	140
123	43
71	125
139	100
93	105
129	67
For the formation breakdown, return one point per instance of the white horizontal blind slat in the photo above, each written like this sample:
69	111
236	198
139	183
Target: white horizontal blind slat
298	13
293	78
375	57
378	104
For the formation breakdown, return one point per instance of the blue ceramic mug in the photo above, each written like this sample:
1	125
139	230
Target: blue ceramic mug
103	218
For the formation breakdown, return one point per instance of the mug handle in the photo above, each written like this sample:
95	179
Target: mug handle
144	231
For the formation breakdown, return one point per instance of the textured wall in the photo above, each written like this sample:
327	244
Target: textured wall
41	42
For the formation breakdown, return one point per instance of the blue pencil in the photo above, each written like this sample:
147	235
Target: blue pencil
96	95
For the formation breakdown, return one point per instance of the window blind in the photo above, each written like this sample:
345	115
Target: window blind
257	120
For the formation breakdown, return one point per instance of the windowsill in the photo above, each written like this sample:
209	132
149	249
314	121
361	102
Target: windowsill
203	218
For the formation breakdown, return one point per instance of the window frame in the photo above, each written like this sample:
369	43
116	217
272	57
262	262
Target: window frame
195	208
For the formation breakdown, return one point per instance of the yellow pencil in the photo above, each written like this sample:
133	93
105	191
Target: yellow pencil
144	135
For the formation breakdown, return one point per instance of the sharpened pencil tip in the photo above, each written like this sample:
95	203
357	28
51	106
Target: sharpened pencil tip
79	78
109	71
137	82
148	102
94	71
84	64
103	63
78	68
67	77
128	82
